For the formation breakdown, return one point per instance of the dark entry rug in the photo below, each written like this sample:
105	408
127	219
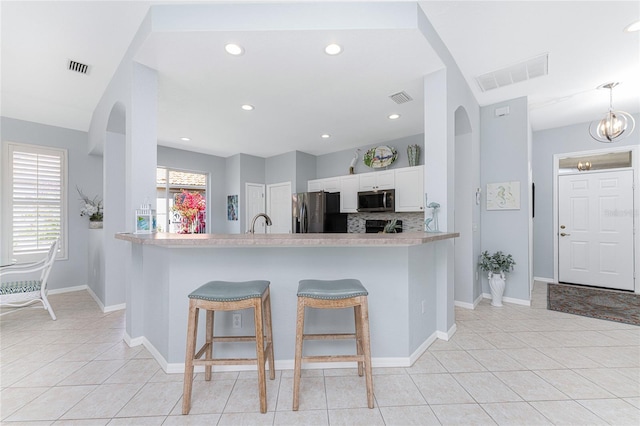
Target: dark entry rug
599	303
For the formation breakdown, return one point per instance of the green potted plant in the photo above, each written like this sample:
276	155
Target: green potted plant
497	265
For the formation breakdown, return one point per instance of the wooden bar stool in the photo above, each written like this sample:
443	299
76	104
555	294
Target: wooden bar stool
229	296
334	294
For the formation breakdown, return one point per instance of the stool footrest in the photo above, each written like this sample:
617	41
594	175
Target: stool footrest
234	339
225	361
339	336
333	358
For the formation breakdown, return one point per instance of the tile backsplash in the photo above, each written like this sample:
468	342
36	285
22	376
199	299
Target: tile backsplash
411	222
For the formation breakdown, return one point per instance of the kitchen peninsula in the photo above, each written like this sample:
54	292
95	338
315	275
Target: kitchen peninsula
408	277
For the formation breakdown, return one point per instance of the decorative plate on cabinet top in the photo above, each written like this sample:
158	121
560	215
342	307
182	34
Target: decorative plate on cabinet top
380	156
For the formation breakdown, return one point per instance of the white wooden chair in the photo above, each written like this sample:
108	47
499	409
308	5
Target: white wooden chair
19	287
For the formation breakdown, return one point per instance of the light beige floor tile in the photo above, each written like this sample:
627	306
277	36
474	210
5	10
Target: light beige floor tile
441	389
247	419
50	374
306	372
614	356
104	402
472	341
503	340
346	392
397	391
409	415
532	358
192	420
138	421
207	397
312	394
94	372
485	387
443	345
312	417
245	398
427	363
51	404
17	370
355	417
458	361
613	411
569	357
515	413
567	413
633	401
573	385
86	352
529	386
242	375
12	399
120	351
154	399
619	384
496	360
388	371
462	414
83	422
161	376
339	372
135	371
535	339
34	423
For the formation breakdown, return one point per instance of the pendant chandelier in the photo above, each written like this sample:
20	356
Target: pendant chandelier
615	125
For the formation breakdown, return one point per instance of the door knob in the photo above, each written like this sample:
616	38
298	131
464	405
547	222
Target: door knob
562	226
562	234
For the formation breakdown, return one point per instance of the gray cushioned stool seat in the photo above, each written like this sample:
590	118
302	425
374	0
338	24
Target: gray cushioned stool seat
227	291
331	289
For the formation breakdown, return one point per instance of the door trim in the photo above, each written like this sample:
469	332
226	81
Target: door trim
635	166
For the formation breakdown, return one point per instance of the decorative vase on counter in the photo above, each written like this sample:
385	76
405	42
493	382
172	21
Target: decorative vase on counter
95	224
496	283
413	154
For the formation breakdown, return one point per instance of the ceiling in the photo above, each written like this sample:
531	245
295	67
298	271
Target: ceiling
298	91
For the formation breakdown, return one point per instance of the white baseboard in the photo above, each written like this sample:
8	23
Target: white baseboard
287	364
67	289
105	309
447	335
467	305
544	280
510	300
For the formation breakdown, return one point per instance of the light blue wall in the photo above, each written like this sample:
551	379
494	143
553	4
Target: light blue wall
281	168
215	167
547	143
305	170
84	171
337	163
504	157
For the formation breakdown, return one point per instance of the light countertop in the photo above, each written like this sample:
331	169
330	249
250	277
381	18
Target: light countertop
285	240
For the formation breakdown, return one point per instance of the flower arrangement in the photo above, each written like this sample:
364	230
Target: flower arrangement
92	207
191	207
496	263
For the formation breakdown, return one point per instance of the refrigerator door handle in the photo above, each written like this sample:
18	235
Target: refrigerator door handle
384	199
303	221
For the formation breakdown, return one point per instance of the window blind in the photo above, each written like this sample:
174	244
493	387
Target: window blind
37	198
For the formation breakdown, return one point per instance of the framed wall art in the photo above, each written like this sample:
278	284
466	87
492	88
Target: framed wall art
503	196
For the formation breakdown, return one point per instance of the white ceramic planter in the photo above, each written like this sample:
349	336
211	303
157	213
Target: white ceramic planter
496	283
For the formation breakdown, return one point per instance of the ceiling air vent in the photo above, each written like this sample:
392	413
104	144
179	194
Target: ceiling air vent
525	70
78	67
401	97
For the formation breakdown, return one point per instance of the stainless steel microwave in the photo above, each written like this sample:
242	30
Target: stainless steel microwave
377	201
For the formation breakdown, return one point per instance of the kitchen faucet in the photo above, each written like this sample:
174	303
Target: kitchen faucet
253	222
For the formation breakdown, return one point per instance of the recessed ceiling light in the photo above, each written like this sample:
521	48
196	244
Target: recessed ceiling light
634	26
185	139
325	136
234	49
247	107
394	116
333	49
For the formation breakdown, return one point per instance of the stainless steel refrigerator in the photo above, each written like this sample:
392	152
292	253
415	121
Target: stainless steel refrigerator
317	212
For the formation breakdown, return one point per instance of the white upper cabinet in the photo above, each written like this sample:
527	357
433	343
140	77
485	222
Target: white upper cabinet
328	185
377	180
349	186
410	189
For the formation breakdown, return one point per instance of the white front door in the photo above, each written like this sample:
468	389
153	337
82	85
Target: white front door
254	194
595	239
279	208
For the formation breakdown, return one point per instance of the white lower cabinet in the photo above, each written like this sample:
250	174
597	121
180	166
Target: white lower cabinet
410	189
349	186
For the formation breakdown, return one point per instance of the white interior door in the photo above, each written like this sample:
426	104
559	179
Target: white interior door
255	202
595	239
279	208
